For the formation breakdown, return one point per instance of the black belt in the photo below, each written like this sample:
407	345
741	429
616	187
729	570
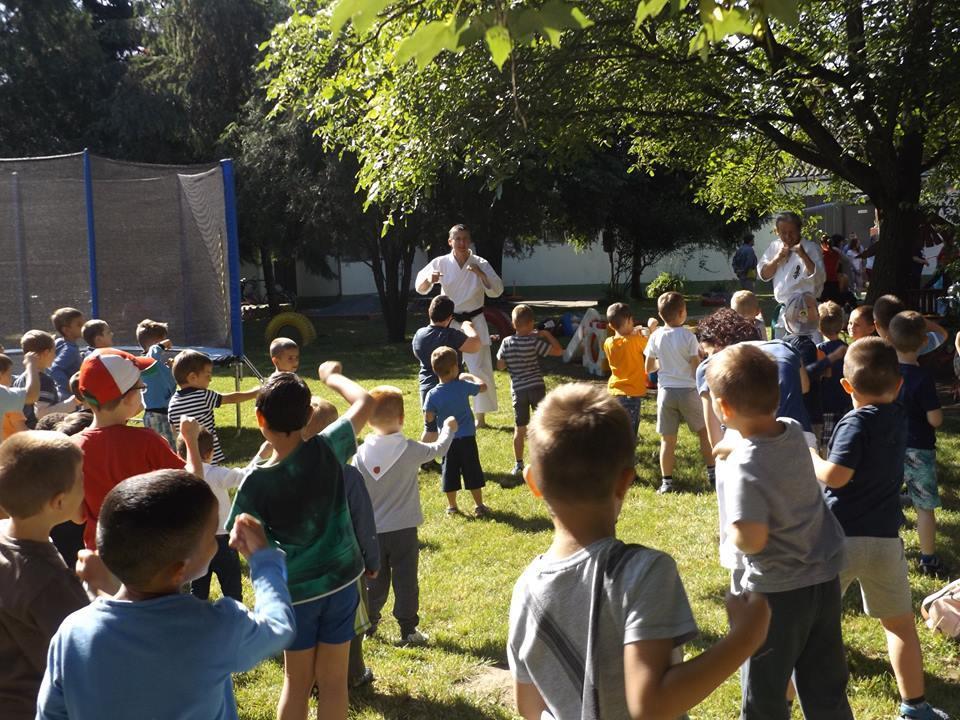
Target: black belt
469	315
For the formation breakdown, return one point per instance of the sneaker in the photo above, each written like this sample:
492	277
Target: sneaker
922	712
431	465
517	471
483	511
415	639
933	567
451	511
665	487
365	679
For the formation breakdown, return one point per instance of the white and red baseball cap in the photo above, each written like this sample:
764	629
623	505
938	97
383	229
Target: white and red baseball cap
109	373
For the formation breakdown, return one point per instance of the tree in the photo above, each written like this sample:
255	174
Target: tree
866	91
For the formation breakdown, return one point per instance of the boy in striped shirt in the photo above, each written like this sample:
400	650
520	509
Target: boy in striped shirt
193	371
519	355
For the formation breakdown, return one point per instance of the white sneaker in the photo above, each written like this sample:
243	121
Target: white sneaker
416	638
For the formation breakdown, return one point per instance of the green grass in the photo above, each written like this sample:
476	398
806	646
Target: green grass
468	567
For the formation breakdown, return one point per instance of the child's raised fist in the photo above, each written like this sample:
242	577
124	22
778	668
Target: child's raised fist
451	424
330	367
247	535
189	428
749	616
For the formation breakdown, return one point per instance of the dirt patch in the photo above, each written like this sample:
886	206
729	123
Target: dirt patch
492	683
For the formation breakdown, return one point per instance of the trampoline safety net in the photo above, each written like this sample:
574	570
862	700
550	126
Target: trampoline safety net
120	241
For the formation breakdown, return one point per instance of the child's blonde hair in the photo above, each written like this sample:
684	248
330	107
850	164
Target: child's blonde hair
746	379
388	405
444	361
35	467
150	332
670	305
522	314
63	317
37	341
831	317
745	303
581	440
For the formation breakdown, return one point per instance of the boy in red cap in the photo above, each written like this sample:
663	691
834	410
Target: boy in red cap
113	451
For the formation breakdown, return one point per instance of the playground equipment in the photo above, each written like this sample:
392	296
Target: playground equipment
588	341
123	242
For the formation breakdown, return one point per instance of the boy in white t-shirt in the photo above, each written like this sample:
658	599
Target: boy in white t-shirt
674	353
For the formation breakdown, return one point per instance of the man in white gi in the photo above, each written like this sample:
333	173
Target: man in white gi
466	278
794	265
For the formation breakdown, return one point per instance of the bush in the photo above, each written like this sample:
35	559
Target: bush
665	282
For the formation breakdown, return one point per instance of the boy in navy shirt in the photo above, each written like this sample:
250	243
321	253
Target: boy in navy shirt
451	398
834	400
863	476
908	334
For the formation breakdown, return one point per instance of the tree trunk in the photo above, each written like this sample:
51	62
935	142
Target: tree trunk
490	248
269	280
637	267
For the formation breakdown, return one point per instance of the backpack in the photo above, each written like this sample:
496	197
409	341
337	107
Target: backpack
941	611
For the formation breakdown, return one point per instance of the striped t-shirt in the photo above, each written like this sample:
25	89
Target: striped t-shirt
198	403
521	353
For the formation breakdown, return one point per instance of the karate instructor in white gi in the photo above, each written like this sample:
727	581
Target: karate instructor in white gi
466	278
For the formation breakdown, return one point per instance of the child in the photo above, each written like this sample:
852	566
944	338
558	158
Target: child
773	513
451	398
860	324
746	305
68	323
97	334
285	355
174	653
41	485
159	384
835	401
624	352
863	477
889	306
13	400
801	320
674	353
908	332
193	371
226	563
593	619
42	345
388	462
298	494
110	382
439	334
519	355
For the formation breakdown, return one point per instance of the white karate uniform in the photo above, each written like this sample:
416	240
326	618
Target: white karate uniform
791	277
467	292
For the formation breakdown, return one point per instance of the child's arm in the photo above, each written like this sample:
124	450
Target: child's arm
361	515
501	364
830	474
714	428
658	689
935	417
473	343
33	378
749	537
190	431
530	704
361	404
804	381
467	377
438	448
239	396
67	406
556	349
66	362
91	570
651	364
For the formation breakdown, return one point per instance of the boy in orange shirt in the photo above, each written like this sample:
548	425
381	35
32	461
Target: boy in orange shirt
624	351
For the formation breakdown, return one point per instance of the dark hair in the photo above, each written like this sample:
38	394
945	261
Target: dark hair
670	305
282	344
36	341
92	329
908	331
789	217
725	327
885	308
204	444
748	238
75	422
441	308
5	363
618	313
746	378
50	421
151	521
459	227
836	240
64	316
284	402
150	332
187	362
871	366
581	440
35	467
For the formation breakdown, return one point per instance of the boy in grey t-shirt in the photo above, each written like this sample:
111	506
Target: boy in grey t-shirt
791	543
596	626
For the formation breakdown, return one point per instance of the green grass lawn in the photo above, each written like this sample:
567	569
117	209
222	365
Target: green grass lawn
468	567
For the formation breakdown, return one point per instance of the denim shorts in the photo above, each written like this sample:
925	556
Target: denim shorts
920	475
328	620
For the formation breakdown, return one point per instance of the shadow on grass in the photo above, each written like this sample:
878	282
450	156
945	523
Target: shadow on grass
239	446
941	694
493	652
427	545
402	707
535	524
505	480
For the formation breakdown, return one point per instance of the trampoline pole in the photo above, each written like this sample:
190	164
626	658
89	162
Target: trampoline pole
91	235
237	375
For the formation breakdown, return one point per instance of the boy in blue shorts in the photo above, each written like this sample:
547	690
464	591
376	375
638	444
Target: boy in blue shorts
863	474
298	494
908	332
451	398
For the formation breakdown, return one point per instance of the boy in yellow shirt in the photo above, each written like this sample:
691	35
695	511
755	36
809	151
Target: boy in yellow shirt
624	351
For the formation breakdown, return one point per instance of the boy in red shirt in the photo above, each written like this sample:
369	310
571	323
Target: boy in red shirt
113	451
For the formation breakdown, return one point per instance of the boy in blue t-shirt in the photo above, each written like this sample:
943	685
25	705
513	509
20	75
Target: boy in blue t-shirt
298	494
451	398
834	400
160	384
68	323
908	334
863	474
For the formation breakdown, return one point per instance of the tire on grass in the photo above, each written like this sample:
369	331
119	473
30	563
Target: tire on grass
293	325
